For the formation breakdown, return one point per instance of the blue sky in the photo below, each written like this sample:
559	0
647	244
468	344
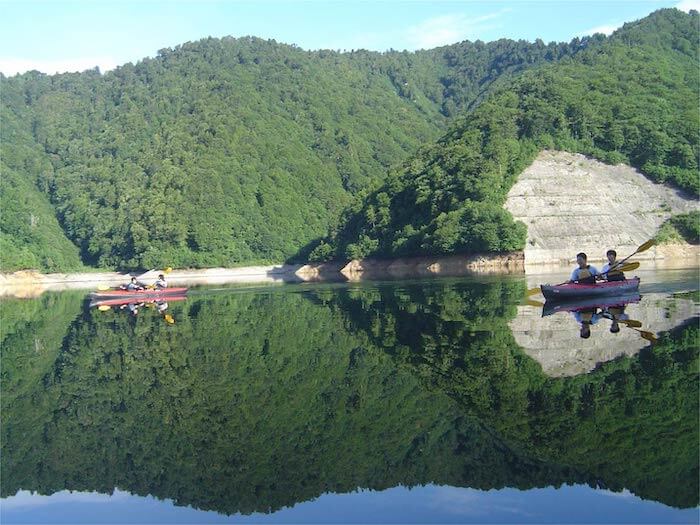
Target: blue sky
63	35
426	504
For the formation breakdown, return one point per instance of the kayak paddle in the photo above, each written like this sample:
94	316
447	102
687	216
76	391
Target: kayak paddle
164	270
642	248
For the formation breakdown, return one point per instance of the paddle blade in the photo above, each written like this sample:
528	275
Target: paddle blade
168	270
531	302
630	322
533	291
104	308
648	336
646	245
103	287
627	267
169	319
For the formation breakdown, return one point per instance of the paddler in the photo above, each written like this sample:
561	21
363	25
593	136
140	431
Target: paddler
609	270
584	273
133	308
586	318
132	286
160	284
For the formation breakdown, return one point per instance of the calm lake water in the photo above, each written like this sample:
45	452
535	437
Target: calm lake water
445	400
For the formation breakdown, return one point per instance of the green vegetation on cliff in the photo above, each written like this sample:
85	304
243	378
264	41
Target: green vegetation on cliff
632	98
682	227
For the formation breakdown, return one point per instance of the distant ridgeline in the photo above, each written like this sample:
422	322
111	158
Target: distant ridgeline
241	407
230	151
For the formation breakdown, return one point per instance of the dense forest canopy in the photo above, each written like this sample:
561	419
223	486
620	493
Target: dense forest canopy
230	151
631	99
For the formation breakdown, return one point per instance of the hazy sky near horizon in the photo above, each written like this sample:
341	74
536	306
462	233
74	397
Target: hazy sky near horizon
73	35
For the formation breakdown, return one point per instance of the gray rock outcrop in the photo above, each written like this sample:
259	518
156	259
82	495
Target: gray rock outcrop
572	203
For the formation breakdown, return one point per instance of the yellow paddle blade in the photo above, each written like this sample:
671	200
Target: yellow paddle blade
646	245
628	267
169	319
533	291
648	336
103	287
168	270
630	322
531	302
104	308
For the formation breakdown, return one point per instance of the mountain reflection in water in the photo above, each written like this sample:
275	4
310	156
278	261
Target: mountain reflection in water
256	400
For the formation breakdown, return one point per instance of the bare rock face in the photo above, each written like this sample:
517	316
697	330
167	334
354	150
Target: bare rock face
555	343
429	266
572	203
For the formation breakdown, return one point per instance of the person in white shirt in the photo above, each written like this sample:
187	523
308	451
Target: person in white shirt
614	274
585	273
160	284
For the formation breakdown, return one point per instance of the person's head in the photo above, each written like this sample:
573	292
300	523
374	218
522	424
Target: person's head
161	276
133	279
614	327
585	330
611	255
135	312
581	259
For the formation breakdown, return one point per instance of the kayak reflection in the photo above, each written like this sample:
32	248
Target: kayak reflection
590	311
134	308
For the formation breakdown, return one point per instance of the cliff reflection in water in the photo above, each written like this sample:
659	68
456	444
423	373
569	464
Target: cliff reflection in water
257	400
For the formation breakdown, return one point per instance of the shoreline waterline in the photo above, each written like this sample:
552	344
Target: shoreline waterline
30	283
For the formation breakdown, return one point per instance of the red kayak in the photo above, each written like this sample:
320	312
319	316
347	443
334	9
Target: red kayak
126	300
567	291
138	295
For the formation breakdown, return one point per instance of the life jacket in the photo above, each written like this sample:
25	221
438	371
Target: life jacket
616	275
585	276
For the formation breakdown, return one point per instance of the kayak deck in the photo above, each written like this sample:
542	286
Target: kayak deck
573	290
118	293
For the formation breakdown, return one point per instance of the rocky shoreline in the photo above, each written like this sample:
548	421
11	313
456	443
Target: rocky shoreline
29	283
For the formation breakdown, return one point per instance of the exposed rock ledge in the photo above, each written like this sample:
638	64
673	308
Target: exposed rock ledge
31	283
449	265
572	203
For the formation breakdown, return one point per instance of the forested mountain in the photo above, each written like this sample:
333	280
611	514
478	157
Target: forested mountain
631	99
30	235
229	151
226	151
